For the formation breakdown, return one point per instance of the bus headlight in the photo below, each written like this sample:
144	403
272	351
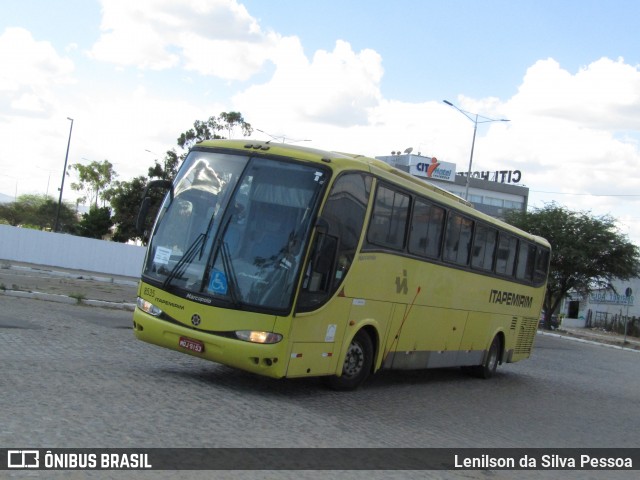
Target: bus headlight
258	337
148	307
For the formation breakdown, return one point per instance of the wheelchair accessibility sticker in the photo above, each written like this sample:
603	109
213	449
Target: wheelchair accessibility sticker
218	283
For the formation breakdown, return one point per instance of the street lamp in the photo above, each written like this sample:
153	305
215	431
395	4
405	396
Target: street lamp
48	180
474	117
164	170
64	172
282	137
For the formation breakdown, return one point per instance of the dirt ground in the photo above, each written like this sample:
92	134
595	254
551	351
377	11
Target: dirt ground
72	283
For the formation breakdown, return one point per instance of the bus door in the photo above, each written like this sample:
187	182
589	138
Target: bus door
322	310
316	338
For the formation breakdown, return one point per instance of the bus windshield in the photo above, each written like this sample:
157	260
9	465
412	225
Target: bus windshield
234	229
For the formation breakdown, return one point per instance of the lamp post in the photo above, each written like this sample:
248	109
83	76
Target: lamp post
164	170
48	179
476	119
282	137
64	172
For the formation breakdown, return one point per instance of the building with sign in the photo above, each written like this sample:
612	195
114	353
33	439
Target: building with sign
496	193
603	307
492	192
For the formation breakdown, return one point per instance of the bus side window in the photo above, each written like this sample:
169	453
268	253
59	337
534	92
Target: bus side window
484	247
426	229
458	239
389	219
526	260
541	265
506	256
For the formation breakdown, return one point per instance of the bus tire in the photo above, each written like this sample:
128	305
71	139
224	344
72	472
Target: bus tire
490	364
357	364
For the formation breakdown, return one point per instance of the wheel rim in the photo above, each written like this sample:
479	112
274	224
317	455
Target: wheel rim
354	360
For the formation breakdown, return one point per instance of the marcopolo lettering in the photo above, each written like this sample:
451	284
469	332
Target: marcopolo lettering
510	299
197	298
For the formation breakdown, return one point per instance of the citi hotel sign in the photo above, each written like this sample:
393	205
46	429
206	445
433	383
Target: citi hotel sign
500	176
438	170
434	168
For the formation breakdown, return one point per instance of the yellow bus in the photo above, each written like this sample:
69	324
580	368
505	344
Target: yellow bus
291	262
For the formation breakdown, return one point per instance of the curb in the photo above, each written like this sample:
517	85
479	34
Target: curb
591	342
52	297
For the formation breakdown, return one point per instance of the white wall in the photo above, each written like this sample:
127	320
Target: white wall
68	251
573	322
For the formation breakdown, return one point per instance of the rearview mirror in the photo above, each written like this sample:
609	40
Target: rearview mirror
146	202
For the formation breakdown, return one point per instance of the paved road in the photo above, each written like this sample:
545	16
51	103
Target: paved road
74	376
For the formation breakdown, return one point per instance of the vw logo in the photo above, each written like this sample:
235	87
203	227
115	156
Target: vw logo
195	320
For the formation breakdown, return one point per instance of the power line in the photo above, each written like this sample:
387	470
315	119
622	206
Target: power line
589	194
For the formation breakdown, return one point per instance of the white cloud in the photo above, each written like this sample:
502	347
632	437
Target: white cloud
32	77
604	94
570	123
121	126
127	39
30	71
212	37
576	135
338	88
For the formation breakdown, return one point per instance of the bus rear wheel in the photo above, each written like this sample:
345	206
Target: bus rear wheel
490	364
357	364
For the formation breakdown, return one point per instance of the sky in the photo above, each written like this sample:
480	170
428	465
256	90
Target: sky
366	77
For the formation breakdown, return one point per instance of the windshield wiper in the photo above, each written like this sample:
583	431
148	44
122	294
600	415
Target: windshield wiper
232	281
221	248
206	234
184	262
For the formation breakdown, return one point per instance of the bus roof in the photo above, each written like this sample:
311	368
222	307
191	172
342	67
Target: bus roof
375	166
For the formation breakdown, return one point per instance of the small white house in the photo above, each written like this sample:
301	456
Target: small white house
602	305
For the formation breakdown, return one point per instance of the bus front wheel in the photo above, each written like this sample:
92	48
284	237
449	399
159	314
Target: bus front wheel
357	363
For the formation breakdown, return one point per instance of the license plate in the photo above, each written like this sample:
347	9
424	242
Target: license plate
193	345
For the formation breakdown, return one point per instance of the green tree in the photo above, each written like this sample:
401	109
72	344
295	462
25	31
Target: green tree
208	129
125	199
94	180
45	217
169	169
38	211
95	224
11	213
202	130
587	252
231	120
33	211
